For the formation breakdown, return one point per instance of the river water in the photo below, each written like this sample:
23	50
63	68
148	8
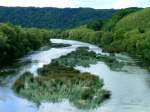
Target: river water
130	86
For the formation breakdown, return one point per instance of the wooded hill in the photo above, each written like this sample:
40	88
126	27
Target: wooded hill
52	17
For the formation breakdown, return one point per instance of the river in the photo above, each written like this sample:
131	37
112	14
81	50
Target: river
130	86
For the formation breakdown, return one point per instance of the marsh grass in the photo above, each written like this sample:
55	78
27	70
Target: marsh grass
57	82
80	57
83	57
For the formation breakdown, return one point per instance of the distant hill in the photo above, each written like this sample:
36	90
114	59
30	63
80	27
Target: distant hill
52	17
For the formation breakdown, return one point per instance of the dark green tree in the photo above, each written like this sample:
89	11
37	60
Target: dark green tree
95	24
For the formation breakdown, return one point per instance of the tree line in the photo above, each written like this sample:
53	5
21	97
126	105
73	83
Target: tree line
52	17
16	41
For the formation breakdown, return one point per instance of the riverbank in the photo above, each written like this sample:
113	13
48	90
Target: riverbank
114	42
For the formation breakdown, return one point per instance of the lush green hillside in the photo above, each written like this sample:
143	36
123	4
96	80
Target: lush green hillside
141	19
131	34
52	17
111	23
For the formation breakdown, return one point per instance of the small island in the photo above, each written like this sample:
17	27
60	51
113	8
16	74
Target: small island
57	82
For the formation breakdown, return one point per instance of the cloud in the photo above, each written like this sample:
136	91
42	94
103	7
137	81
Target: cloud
39	3
102	4
131	3
99	4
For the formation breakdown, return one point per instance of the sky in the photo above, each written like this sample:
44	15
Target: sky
97	4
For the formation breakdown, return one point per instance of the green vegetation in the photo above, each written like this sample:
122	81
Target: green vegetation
127	31
16	41
132	35
83	57
115	35
52	17
111	62
57	82
111	23
6	72
83	33
95	24
80	57
136	20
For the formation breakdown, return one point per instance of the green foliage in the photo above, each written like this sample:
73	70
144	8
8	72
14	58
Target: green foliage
3	40
83	57
85	34
111	23
56	82
141	30
135	20
16	41
80	57
52	17
132	34
95	24
107	38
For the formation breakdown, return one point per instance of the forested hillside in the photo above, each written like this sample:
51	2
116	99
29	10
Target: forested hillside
132	34
127	31
52	17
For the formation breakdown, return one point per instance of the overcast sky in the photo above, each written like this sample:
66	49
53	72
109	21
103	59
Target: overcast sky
99	4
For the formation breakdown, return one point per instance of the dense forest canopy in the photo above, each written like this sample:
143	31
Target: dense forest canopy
52	17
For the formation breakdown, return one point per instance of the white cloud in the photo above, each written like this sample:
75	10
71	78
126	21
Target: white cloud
101	4
131	3
39	3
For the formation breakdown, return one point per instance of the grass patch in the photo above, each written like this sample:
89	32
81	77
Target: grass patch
83	57
80	57
57	82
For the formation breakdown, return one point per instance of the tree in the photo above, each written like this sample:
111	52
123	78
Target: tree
107	38
3	40
95	24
